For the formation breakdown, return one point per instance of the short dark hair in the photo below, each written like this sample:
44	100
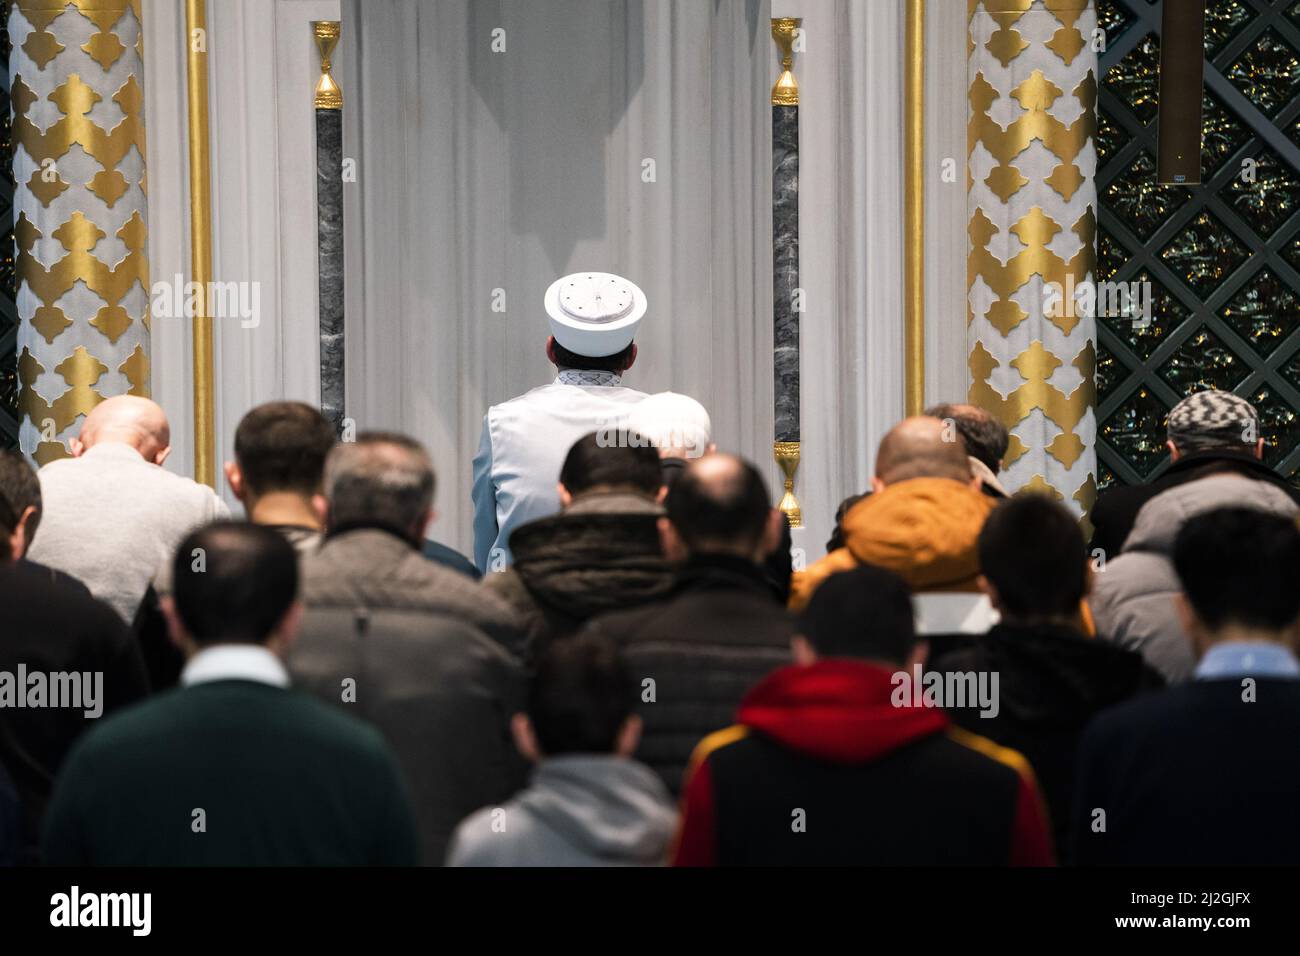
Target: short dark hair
986	438
580	696
1032	551
1240	566
709	506
282	446
594	462
232	582
20	489
615	363
383	479
865	613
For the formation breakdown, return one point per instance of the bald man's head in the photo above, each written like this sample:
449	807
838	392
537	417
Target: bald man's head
130	420
720	504
922	447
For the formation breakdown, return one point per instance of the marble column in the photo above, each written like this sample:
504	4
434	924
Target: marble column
329	213
786	294
80	213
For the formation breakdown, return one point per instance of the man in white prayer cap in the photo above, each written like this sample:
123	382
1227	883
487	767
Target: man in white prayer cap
594	318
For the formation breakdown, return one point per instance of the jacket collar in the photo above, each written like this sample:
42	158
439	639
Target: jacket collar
371	531
721	572
1198	459
614	502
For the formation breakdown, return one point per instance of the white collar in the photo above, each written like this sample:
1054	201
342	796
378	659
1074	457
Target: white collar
250	662
587	376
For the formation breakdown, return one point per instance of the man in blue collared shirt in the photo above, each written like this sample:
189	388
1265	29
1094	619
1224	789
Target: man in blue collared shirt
1204	773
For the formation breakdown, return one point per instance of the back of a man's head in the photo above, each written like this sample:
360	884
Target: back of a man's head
596	464
382	480
130	420
864	614
617	363
719	504
1239	568
1213	421
922	447
580	697
233	583
986	438
282	447
1033	554
20	489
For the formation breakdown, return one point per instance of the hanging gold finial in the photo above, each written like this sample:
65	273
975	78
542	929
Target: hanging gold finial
328	94
787	456
786	91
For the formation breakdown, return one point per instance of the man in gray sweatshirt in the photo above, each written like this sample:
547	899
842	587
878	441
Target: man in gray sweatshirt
589	803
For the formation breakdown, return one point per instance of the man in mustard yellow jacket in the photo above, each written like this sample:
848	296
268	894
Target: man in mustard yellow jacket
921	520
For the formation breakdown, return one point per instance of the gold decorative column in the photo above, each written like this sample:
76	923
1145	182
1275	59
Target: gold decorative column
196	29
914	211
1031	169
80	213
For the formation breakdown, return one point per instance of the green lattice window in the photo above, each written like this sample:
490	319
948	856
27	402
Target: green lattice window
1223	258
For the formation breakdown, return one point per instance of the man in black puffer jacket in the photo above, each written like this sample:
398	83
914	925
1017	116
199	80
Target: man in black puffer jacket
600	553
1048	678
721	630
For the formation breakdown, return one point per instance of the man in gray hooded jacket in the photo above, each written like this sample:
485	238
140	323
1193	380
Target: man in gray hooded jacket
1132	602
589	803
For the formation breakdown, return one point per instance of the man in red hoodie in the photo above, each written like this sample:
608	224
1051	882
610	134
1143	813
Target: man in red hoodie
831	762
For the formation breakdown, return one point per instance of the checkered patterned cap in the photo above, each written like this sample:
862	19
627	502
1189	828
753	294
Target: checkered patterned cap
1213	419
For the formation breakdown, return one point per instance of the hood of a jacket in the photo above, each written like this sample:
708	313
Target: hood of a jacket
607	806
600	554
923	529
837	710
1052	674
1161	518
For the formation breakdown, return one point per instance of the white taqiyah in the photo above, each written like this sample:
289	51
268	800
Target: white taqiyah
676	424
594	313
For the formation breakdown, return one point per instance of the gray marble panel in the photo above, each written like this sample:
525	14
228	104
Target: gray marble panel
329	211
785	263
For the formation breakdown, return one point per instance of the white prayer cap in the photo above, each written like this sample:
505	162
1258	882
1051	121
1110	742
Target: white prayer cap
594	313
673	423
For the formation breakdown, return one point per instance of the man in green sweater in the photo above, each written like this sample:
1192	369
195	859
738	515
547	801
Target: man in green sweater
232	767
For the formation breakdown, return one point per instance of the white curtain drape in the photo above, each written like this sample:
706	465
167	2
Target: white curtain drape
482	176
503	143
